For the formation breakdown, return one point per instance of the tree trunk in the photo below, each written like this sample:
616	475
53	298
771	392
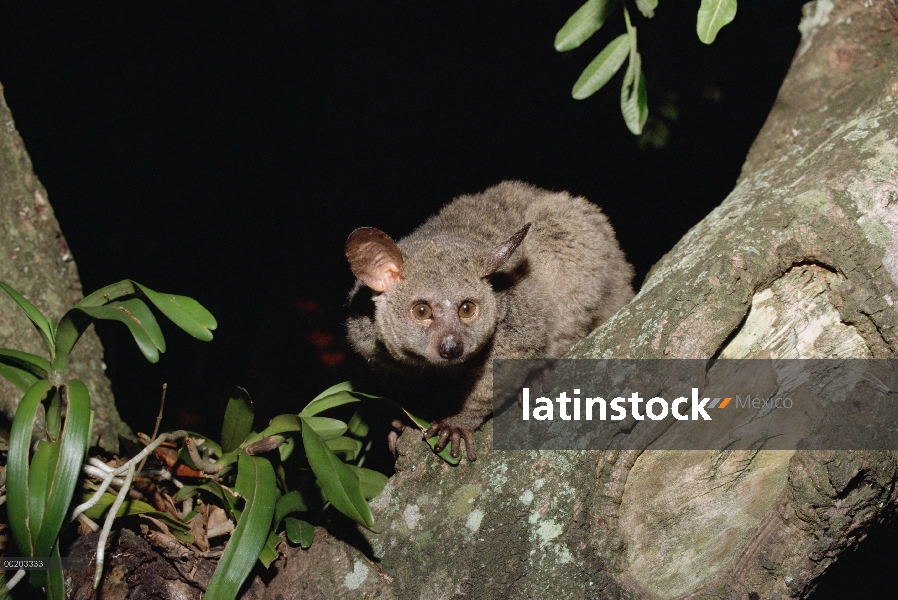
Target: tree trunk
799	261
35	260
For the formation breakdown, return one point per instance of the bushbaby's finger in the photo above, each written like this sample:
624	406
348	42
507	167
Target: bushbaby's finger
444	437
456	443
469	445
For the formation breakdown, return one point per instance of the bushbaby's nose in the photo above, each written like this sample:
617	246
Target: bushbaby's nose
451	347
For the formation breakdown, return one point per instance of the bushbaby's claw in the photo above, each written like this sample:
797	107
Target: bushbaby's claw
453	436
393	437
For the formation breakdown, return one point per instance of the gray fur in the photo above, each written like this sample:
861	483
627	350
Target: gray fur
534	300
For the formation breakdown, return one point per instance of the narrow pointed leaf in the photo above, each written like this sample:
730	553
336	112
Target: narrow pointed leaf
135	314
21	378
338	482
129	507
55	580
108	294
583	23
256	483
346	386
269	551
24	360
323	403
72	449
713	15
371	482
633	100
286	449
238	420
358	427
40	321
445	453
70	328
212	487
299	532
185	312
290	502
348	447
602	68
18	466
325	427
647	7
43	462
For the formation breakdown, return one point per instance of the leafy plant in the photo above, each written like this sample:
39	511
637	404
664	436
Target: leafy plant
41	489
713	15
245	474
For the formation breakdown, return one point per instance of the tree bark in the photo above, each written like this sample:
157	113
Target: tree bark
36	261
799	261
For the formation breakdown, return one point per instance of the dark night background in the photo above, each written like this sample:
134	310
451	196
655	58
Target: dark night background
225	151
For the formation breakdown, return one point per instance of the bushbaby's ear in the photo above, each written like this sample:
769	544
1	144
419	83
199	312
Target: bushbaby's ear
374	258
503	251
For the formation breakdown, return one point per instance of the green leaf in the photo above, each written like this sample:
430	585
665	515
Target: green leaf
290	502
55	579
338	482
583	23
256	483
70	328
40	321
286	449
44	461
349	447
323	403
109	293
445	453
326	427
185	312
129	507
357	426
269	551
345	386
633	98
300	532
647	7
238	420
213	487
140	321
21	378
73	445
713	15
370	482
602	68
17	469
32	363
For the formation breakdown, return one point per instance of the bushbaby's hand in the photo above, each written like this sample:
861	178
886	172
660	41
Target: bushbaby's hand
450	430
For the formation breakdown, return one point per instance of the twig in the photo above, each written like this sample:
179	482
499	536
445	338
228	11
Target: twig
158	421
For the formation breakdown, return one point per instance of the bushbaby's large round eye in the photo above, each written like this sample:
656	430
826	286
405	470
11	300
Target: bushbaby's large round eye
421	311
467	311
